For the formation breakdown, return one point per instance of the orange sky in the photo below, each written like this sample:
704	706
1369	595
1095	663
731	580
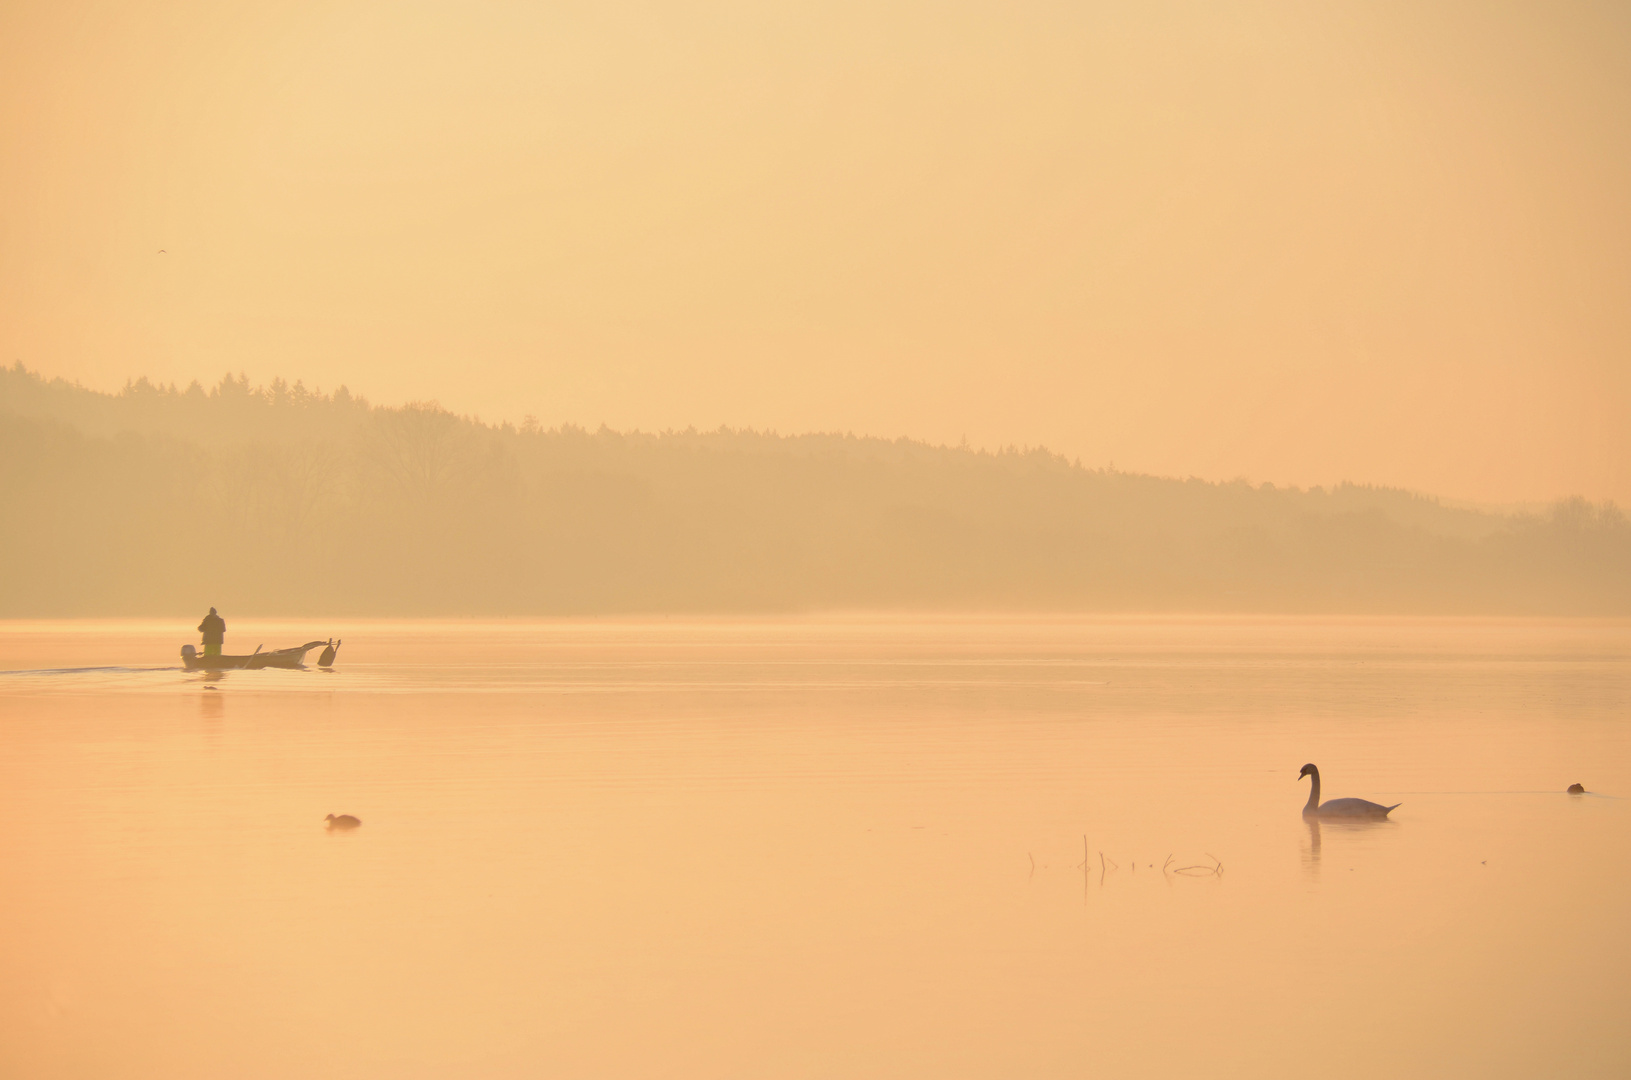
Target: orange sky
1303	242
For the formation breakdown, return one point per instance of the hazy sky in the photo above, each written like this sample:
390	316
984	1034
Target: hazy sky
1301	242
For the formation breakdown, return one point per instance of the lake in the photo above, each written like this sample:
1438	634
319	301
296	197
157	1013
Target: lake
878	846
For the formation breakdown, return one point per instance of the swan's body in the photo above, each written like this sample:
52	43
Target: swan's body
1340	809
343	821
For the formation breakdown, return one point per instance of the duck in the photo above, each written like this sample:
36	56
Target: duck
1341	809
343	821
1577	789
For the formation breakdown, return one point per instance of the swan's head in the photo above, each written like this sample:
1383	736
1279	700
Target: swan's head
1308	770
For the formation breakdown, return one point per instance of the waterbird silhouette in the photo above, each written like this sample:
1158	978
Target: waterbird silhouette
1340	809
344	821
1577	789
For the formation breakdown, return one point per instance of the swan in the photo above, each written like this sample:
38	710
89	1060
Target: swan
344	821
1340	809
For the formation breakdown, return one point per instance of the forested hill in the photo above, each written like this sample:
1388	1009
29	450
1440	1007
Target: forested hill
278	500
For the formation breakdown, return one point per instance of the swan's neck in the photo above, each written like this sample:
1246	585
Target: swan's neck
1313	793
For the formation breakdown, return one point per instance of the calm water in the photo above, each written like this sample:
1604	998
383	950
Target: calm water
817	848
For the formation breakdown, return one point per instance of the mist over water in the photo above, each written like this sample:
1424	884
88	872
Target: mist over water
816	847
861	515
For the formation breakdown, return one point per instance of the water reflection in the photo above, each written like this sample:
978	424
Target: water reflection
1311	853
776	782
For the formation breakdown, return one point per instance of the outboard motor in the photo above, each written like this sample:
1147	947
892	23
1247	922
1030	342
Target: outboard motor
188	653
327	657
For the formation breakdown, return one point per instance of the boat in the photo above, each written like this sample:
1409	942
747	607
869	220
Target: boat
293	657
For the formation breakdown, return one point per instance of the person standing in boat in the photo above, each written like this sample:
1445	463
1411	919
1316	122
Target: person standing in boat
214	629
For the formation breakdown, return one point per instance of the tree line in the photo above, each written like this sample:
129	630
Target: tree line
283	500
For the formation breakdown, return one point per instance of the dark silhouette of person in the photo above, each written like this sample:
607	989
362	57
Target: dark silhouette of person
214	629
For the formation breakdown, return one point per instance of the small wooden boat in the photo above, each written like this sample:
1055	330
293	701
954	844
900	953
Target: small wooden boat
278	658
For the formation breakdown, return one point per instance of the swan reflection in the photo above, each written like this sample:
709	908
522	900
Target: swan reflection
1339	827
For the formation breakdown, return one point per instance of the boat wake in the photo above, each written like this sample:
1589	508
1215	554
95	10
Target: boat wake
86	671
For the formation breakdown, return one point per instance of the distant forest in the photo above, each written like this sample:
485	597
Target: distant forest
278	500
